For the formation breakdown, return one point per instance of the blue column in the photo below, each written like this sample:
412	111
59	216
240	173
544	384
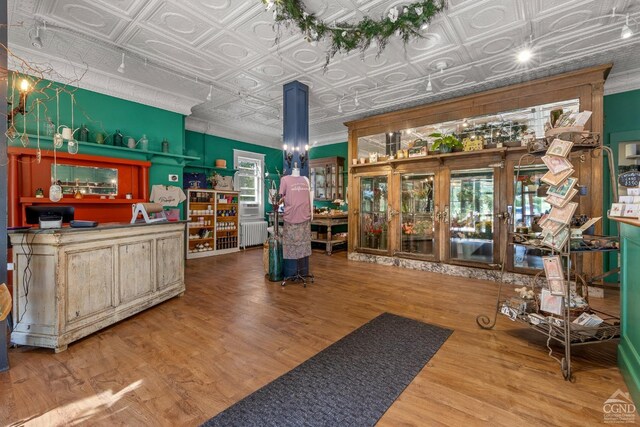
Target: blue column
295	134
295	126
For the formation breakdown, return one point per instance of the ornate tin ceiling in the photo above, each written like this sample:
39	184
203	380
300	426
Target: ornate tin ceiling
175	49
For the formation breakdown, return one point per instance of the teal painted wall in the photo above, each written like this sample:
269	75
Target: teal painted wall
621	123
209	148
103	113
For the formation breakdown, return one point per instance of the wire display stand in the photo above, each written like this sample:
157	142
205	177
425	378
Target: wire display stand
558	329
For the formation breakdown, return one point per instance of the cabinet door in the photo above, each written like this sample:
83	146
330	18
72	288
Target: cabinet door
418	221
373	221
90	283
472	229
170	267
136	273
319	182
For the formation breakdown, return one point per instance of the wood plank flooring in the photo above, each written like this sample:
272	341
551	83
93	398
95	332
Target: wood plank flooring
184	361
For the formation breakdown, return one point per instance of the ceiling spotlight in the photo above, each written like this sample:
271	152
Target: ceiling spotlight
429	86
525	55
340	107
626	30
36	41
210	90
465	123
424	26
356	101
121	67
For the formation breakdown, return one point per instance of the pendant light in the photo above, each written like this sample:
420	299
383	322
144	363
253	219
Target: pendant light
429	85
121	67
210	92
627	32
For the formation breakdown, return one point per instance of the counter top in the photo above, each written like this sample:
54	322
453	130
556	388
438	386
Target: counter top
102	226
625	220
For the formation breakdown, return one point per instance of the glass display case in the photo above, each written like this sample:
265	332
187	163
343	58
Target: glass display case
529	206
417	233
508	128
373	212
327	178
471	219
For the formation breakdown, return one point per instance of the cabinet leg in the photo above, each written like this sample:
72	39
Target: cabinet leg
60	349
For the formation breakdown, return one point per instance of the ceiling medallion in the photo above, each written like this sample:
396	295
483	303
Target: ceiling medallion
405	22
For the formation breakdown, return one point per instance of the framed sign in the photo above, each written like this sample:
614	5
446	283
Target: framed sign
629	179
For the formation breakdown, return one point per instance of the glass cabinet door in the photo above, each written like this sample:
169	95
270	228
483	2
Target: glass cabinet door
529	206
417	232
331	182
373	212
319	182
471	215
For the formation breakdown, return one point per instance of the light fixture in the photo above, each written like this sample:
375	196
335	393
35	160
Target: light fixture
525	55
121	67
210	91
36	41
626	30
429	85
424	26
356	101
465	123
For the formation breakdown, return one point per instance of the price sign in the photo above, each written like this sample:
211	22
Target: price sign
629	179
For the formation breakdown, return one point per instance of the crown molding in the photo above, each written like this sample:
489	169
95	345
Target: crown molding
236	133
331	138
102	82
622	82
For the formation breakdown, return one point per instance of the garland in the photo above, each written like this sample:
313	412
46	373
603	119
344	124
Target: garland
406	23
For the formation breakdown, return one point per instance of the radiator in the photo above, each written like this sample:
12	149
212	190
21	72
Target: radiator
253	233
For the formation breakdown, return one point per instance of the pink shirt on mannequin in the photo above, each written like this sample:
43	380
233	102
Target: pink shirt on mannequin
297	203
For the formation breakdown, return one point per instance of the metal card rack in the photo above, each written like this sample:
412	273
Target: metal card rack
561	330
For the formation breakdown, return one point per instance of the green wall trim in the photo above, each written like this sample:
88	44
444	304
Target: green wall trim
629	365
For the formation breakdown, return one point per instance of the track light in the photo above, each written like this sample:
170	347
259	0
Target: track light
210	91
36	41
121	67
626	30
429	86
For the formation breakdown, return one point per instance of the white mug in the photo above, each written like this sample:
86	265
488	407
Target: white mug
67	133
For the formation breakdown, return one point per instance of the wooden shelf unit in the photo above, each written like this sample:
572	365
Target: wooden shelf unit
213	217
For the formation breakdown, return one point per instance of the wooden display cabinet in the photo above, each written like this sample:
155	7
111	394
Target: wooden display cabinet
327	178
453	207
213	223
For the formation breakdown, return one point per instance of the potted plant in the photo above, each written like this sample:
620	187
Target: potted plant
445	143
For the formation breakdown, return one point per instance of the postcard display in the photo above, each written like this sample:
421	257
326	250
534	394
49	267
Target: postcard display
557	306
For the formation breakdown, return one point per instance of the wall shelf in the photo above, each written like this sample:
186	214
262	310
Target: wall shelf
148	155
83	201
211	168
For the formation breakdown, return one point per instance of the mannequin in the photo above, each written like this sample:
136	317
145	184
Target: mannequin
298	211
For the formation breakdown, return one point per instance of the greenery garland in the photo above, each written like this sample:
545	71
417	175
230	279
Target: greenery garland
405	22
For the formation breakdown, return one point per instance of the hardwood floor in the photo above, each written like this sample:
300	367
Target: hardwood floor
185	360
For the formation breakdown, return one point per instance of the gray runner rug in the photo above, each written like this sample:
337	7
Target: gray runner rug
350	383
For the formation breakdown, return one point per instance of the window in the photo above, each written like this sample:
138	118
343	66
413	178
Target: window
249	183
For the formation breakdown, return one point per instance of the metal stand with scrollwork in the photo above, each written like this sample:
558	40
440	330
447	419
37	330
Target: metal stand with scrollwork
560	330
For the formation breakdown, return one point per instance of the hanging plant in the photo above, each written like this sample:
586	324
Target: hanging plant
406	23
